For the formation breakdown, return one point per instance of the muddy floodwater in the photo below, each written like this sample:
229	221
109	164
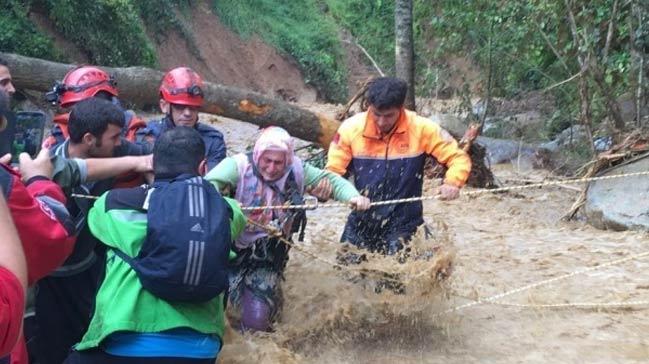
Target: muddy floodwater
500	242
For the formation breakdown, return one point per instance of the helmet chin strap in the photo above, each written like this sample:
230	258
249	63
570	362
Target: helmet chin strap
170	116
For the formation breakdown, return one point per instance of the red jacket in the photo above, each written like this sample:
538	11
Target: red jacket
12	303
43	224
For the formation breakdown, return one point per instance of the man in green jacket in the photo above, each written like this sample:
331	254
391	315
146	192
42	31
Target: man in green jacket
130	323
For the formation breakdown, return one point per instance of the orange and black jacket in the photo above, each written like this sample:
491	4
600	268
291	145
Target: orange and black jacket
391	166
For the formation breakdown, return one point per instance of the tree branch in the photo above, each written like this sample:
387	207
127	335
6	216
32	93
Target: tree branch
376	66
609	34
554	50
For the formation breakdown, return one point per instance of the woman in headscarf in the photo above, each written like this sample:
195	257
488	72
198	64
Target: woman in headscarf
270	175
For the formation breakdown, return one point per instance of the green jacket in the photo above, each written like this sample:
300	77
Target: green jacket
122	303
226	175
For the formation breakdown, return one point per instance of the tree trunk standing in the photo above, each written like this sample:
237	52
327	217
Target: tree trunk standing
598	75
582	58
139	86
639	41
404	48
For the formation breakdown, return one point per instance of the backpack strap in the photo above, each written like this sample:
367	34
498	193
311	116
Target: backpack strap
115	198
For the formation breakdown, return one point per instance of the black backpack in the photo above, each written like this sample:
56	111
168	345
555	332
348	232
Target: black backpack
185	254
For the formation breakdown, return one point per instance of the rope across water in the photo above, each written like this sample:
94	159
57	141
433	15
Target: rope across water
430	197
489	300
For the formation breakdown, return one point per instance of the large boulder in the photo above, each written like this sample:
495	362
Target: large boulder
620	203
528	125
522	155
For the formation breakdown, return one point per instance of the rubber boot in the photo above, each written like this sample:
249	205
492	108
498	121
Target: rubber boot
255	312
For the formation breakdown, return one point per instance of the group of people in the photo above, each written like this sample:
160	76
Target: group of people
143	273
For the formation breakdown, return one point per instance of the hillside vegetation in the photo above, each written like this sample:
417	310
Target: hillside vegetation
525	46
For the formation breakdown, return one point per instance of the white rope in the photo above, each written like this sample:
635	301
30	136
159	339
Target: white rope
593	305
311	206
463	193
495	298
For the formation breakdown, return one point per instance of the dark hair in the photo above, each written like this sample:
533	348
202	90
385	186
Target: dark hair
3	62
387	92
92	116
177	151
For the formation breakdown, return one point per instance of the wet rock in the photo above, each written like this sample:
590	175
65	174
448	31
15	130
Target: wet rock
621	203
527	125
574	135
451	123
506	151
497	150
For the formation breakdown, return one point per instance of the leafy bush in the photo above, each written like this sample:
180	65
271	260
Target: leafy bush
299	29
19	35
109	31
160	16
371	22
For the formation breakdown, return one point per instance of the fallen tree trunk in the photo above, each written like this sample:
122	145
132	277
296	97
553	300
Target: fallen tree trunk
139	86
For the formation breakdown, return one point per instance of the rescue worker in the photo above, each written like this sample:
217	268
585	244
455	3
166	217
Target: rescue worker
270	175
80	84
181	96
134	323
384	149
64	299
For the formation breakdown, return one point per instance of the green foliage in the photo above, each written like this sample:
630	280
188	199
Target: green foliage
371	22
298	28
19	35
160	16
109	31
518	36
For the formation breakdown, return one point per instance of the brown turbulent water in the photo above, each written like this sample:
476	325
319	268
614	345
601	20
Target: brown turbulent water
500	242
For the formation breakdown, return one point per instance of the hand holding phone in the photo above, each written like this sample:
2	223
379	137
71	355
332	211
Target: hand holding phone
39	166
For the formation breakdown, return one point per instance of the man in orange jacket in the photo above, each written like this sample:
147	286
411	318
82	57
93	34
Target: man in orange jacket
385	149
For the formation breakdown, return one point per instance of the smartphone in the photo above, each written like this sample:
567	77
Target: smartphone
28	134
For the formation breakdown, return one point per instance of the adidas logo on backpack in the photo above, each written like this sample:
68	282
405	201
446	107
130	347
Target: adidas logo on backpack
197	228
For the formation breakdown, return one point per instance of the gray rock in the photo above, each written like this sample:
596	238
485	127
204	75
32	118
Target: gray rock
450	123
527	125
505	151
574	135
620	203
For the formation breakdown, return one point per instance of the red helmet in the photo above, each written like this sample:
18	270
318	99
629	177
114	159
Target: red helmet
85	82
182	86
